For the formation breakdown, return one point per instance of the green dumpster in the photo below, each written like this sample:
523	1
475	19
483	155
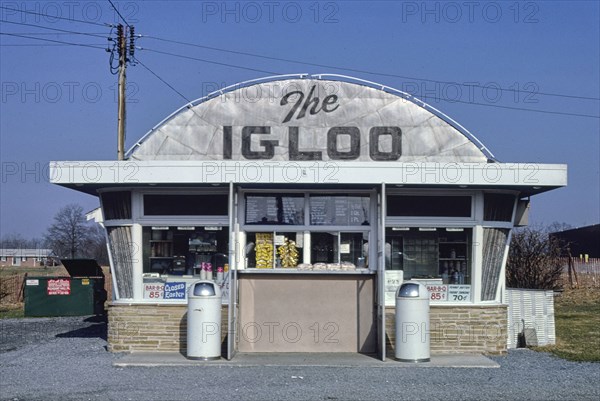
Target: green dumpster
80	294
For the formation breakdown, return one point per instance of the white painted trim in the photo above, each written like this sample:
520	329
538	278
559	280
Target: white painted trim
381	270
137	262
428	174
476	267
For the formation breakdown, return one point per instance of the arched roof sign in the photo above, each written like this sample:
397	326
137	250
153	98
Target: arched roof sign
303	118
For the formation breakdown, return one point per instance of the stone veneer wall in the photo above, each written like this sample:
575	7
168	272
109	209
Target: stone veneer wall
466	329
153	327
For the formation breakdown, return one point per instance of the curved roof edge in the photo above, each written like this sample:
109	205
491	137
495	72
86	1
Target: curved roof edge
333	77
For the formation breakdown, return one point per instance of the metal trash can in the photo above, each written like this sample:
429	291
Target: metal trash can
204	321
412	323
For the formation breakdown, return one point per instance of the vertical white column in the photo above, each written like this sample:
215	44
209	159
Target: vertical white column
137	262
240	254
477	265
306	249
502	280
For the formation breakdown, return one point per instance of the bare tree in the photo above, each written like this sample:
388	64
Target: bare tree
69	235
534	260
97	249
17	241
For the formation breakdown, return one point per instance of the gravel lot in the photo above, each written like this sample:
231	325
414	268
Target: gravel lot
66	359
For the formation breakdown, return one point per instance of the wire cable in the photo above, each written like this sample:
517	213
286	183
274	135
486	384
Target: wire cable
54	29
365	71
100	34
514	108
53	41
119	14
208	61
162	80
40	45
423	97
57	17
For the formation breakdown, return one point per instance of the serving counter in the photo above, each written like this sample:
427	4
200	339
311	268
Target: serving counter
292	310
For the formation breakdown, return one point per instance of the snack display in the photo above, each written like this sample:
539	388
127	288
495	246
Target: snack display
346	266
264	250
288	253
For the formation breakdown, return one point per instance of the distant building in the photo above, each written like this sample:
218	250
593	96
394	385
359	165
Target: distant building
582	241
27	257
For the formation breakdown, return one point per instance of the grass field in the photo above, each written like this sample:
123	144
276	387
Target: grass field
33	271
12	311
577	319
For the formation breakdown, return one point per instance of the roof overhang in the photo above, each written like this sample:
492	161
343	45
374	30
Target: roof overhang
92	176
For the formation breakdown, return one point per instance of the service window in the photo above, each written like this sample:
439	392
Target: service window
267	250
182	250
440	258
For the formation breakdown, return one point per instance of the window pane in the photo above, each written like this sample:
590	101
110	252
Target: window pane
429	206
116	205
354	248
443	254
324	248
275	209
498	207
339	210
186	205
259	250
184	250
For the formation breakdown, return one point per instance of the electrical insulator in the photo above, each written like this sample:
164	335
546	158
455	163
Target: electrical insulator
131	41
119	38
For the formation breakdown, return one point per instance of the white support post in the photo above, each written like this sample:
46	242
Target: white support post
137	262
477	266
306	247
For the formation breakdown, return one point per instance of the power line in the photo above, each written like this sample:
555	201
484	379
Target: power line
57	17
162	80
515	108
58	33
119	14
208	61
54	29
53	41
424	97
367	72
40	45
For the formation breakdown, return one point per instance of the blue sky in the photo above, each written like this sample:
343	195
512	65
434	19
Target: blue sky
59	103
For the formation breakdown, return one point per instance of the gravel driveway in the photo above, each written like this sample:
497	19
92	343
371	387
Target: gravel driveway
66	359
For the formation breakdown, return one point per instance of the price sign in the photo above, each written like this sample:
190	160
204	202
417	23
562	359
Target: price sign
459	293
393	279
437	292
154	290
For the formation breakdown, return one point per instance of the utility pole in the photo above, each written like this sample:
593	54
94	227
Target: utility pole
125	49
122	49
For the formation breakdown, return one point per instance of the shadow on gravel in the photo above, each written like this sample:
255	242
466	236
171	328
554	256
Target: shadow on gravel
98	329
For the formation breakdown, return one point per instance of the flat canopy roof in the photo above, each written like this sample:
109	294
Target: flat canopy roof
91	176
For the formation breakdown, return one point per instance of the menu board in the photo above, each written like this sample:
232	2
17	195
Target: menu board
339	210
261	209
274	209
